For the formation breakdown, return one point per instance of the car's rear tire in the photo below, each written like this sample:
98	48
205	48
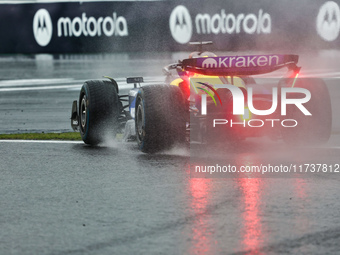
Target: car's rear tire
160	117
98	111
315	129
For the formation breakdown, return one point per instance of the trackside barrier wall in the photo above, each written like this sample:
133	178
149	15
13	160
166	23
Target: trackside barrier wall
72	27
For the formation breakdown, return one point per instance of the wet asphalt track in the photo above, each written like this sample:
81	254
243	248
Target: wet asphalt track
67	198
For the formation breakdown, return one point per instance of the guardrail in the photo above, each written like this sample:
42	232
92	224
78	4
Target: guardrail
75	27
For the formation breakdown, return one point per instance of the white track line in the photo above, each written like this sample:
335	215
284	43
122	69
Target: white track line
35	82
41	88
80	142
27	85
40	141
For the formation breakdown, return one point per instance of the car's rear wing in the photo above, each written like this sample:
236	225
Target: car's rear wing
240	65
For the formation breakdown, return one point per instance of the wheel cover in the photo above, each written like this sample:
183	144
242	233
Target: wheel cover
83	112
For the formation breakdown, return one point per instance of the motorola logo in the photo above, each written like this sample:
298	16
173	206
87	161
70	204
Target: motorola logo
328	21
42	27
181	24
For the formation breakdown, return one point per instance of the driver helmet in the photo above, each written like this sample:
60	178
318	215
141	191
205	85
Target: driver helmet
204	54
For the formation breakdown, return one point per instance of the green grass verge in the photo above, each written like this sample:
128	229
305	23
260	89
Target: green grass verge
71	136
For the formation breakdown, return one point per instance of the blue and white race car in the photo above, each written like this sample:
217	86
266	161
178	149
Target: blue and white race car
208	98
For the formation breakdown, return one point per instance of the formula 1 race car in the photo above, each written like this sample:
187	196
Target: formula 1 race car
208	99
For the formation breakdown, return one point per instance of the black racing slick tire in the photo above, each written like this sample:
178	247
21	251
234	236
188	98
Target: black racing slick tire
98	111
160	118
315	129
